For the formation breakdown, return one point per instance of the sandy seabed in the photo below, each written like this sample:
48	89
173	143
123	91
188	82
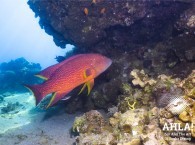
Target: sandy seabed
32	127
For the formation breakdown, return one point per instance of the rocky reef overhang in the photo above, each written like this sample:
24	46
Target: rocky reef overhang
88	24
157	36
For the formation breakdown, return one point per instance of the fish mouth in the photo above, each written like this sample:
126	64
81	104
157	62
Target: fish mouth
109	62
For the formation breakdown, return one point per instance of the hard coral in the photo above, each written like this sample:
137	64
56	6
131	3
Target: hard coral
90	122
141	79
17	72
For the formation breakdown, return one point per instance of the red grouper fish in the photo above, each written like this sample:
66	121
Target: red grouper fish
68	74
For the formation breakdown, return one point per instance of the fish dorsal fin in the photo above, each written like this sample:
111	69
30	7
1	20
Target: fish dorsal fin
46	73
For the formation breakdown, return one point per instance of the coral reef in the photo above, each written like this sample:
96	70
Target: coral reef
17	72
90	122
141	113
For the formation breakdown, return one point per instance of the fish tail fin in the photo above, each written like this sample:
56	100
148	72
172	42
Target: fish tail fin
36	91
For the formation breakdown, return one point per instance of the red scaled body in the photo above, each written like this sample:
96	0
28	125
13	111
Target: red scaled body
65	76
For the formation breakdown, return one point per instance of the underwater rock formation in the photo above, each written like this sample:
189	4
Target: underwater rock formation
154	40
87	23
83	23
186	21
17	72
151	35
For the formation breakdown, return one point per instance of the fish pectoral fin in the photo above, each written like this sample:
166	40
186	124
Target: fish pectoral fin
89	81
90	85
56	97
82	89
